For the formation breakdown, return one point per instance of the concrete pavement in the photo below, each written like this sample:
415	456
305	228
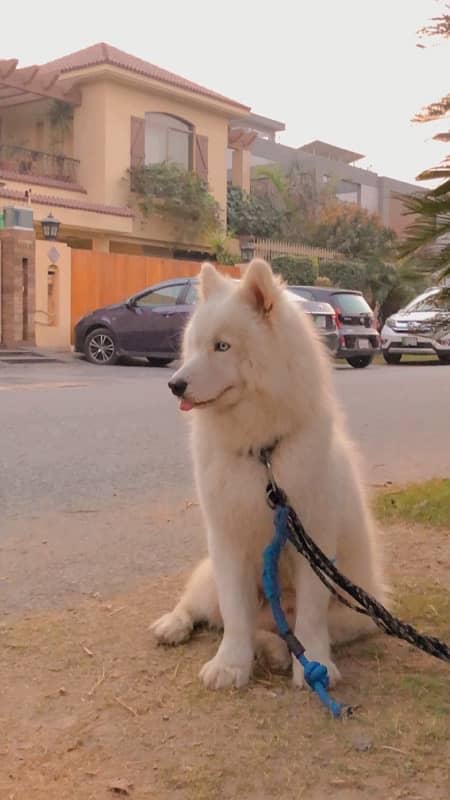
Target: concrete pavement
96	485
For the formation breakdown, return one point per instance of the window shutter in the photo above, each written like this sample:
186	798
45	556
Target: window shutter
201	157
137	142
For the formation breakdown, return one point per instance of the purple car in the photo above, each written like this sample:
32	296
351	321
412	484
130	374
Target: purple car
150	324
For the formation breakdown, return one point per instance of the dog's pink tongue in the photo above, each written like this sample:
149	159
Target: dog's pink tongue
185	405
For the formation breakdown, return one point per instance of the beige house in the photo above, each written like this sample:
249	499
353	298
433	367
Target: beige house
71	129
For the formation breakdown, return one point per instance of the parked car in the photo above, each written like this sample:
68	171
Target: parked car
422	327
150	324
358	337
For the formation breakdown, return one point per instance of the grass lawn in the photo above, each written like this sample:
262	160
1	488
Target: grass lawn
427	503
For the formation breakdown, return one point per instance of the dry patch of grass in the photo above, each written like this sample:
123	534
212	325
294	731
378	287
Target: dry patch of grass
88	700
91	708
425	503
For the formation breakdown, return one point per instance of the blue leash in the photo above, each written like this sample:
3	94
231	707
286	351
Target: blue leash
289	528
316	674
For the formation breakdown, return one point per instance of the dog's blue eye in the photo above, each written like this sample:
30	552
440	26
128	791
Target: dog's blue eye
221	347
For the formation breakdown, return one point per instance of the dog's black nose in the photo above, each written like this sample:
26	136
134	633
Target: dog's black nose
178	387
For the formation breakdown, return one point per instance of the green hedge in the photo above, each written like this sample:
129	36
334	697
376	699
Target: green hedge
295	270
303	271
347	274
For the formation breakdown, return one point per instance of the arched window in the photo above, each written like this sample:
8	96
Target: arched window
52	294
168	138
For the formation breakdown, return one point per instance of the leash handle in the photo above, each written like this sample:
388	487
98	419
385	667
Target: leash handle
316	676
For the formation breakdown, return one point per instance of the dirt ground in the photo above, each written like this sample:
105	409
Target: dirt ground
92	708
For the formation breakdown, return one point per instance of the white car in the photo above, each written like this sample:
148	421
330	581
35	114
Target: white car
422	327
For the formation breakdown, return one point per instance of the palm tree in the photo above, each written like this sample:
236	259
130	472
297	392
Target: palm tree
429	232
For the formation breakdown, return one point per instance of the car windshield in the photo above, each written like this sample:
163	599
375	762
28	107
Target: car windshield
438	300
350	303
192	295
305	293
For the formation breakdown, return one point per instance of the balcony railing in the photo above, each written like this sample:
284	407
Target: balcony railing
35	163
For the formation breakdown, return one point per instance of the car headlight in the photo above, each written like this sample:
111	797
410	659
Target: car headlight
390	322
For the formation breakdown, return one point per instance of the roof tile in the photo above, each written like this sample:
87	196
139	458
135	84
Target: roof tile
102	53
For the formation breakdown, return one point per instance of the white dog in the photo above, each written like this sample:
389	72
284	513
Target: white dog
254	375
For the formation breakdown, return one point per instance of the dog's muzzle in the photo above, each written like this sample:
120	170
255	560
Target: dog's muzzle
178	388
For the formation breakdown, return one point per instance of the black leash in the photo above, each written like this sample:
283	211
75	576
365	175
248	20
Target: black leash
330	576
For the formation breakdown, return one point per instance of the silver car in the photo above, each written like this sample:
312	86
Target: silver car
324	318
421	328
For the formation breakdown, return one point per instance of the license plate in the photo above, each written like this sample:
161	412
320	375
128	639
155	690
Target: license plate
321	322
363	344
409	341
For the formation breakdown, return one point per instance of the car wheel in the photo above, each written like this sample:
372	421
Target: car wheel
359	362
392	358
100	347
159	362
444	359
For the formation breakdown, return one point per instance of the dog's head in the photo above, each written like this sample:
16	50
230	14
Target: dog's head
245	343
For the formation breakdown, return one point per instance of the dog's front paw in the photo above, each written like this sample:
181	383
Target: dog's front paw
172	628
334	676
220	674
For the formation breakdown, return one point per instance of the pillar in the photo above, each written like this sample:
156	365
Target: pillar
240	169
17	285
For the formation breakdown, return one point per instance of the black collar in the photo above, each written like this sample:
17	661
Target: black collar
265	452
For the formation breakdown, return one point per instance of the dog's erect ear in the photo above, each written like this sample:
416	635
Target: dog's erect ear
259	286
211	281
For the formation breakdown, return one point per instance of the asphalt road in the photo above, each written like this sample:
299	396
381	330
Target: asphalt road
95	480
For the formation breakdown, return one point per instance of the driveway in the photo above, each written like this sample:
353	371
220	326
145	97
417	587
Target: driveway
96	487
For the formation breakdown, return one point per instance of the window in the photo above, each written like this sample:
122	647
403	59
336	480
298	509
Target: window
350	303
305	293
166	296
348	192
435	301
39	135
52	294
192	295
168	138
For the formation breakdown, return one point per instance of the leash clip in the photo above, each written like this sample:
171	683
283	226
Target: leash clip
274	495
265	458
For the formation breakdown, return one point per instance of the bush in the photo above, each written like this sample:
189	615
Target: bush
347	274
295	269
322	280
173	190
250	215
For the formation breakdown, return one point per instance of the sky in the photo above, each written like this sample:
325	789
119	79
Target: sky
344	71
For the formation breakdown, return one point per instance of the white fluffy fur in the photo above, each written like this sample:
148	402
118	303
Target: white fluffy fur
272	383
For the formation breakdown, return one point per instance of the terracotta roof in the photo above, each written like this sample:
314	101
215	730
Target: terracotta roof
102	53
67	202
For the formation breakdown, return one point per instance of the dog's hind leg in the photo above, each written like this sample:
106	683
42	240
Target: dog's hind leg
358	559
198	603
